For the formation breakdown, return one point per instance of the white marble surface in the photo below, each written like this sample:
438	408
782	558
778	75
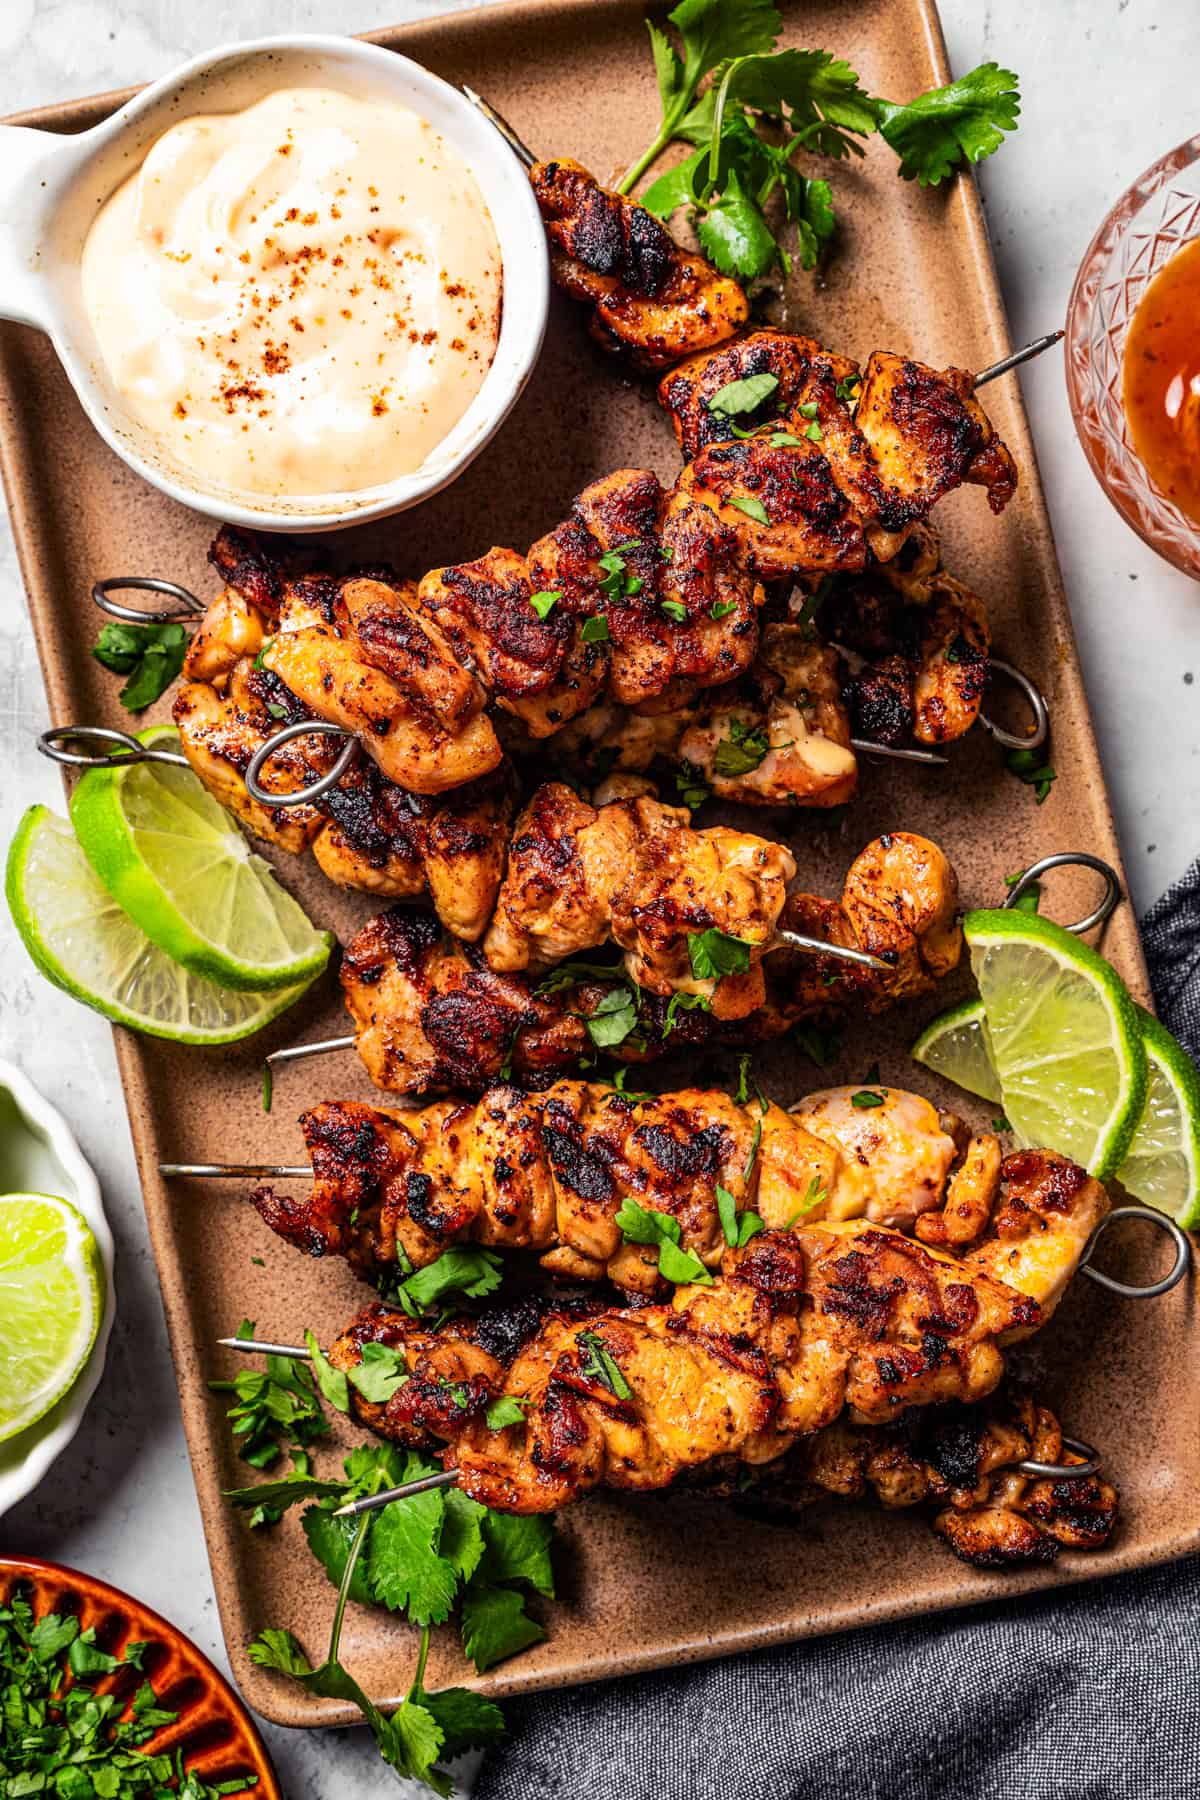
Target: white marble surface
1106	90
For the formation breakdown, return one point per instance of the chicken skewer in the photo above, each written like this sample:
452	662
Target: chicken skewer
431	1016
995	1470
799	1328
649	296
693	911
567	1173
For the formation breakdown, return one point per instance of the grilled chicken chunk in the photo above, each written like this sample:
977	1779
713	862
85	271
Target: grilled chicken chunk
648	297
362	655
927	433
799	365
551	1172
637	872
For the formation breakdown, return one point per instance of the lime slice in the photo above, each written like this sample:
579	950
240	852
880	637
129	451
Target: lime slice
51	1302
1162	1164
79	937
1063	1036
178	864
954	1045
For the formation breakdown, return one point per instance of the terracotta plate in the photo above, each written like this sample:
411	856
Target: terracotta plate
653	1581
213	1729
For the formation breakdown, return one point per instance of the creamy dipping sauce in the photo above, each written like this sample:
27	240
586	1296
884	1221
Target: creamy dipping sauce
300	298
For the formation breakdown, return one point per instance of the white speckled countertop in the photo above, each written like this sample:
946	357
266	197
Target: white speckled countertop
1103	96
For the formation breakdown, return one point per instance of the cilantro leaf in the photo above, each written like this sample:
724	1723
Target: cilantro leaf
599	1364
865	1098
612	1018
332	1382
742	751
466	1720
462	1269
744	396
641	1225
734	234
509	1409
151	655
380	1374
715	953
594	630
405	1568
518	1549
545	602
331	1541
495	1624
751	505
938	131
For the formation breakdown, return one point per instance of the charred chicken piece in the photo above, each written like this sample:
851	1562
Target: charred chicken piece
927	434
957	1458
361	654
648	297
799	1328
635	871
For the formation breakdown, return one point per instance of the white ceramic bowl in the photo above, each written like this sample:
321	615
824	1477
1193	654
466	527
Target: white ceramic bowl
38	1154
51	188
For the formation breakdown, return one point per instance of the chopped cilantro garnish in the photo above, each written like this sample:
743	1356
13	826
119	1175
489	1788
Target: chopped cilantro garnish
595	629
641	1225
674	609
545	602
150	655
751	505
743	396
599	1365
715	953
742	751
720	609
866	1097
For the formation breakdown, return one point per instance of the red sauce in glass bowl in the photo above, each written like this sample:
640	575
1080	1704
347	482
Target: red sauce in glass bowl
1162	380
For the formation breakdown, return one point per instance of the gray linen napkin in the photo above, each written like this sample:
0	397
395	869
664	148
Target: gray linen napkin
1083	1695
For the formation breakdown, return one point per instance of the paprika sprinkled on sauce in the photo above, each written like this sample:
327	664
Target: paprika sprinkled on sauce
1162	380
300	298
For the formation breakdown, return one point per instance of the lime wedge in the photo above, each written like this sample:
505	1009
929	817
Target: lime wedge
1162	1163
179	866
51	1303
79	937
954	1045
1063	1036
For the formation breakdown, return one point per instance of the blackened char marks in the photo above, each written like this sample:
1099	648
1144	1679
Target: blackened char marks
581	1166
245	563
398	937
604	232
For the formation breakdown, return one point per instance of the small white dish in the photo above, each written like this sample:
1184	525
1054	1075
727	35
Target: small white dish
51	188
39	1155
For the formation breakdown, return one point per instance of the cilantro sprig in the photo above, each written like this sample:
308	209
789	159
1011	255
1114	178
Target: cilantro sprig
151	656
810	103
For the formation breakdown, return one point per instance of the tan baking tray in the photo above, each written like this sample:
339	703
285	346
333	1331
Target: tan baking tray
667	1579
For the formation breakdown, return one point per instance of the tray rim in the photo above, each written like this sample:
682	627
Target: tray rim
267	1693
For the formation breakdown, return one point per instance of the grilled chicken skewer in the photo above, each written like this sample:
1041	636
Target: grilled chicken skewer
799	1328
430	1015
551	1172
1010	1489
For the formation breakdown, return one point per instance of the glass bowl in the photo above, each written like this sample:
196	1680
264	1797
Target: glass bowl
1151	221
